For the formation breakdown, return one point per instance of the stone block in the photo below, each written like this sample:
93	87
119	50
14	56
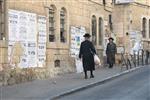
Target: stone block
1	67
3	51
3	59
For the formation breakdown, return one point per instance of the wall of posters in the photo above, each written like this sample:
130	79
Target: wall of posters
76	39
41	40
136	41
13	25
23	29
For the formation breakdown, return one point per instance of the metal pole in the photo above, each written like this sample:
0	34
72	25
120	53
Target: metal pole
138	57
143	57
135	59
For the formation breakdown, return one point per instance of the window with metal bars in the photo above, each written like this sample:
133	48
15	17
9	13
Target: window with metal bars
2	36
110	22
52	24
63	25
100	31
57	63
144	27
149	28
94	29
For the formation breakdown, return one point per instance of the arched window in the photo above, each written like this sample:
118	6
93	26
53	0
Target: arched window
100	30
110	22
144	27
2	35
52	19
63	17
94	29
149	28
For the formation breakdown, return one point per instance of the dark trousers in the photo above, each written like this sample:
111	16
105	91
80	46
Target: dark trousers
91	73
111	65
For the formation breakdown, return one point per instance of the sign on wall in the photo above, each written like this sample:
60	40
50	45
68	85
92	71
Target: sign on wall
136	41
23	29
41	40
76	39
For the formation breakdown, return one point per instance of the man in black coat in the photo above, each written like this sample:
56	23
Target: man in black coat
110	52
87	52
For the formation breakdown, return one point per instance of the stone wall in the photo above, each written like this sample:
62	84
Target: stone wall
79	13
3	54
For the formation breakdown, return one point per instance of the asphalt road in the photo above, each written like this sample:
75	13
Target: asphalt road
132	86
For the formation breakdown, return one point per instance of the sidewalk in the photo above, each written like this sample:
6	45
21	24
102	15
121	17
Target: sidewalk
63	85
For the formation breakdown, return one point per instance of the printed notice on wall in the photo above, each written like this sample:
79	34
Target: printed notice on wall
13	25
41	40
23	29
76	39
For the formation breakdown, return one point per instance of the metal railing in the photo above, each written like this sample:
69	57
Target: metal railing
142	57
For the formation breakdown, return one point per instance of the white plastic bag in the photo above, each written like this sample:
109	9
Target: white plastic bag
97	60
79	65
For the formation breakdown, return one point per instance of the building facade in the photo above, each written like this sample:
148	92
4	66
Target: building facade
60	16
133	18
101	18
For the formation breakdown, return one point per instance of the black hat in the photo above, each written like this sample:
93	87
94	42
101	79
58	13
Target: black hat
86	35
110	38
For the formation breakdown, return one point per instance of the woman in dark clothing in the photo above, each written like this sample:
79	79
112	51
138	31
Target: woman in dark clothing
110	52
86	53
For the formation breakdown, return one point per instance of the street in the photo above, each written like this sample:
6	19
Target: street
132	86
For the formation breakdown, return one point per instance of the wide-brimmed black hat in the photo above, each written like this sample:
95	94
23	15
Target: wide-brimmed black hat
86	35
110	38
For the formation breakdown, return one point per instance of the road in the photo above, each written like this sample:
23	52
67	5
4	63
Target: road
132	86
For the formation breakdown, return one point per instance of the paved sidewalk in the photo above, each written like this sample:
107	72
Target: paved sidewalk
60	86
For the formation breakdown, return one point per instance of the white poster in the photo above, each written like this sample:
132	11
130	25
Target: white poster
22	29
13	18
32	27
136	41
41	40
24	58
76	39
32	54
22	26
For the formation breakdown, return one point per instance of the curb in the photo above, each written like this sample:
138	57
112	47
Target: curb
92	84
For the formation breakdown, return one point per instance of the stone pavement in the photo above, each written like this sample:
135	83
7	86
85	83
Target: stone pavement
65	84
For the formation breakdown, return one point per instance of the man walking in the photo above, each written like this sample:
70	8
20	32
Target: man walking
110	52
86	53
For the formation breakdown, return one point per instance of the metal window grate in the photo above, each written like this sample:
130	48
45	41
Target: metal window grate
57	63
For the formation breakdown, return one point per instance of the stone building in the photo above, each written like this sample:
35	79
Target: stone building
101	18
93	15
129	18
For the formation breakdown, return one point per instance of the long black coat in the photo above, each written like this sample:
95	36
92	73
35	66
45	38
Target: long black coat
110	52
86	53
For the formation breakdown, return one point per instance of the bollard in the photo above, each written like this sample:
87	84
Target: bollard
138	57
135	59
147	57
142	57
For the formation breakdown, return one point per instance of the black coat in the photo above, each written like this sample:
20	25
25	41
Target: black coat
86	53
110	52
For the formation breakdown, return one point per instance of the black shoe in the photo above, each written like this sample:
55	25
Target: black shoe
92	76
